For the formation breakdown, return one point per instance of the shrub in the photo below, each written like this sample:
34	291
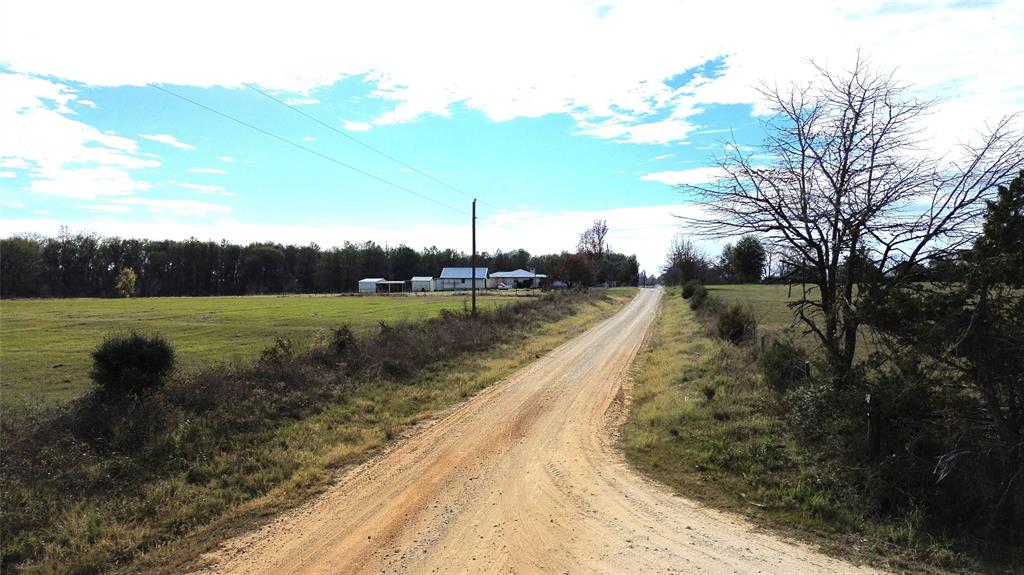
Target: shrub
700	293
736	324
131	364
344	342
278	354
690	287
783	365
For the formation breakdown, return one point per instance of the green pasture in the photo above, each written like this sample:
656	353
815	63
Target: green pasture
775	317
767	301
45	343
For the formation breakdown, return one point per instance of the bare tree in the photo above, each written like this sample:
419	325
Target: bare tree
687	261
850	196
592	240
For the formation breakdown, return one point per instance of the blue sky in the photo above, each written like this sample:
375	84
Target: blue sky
551	115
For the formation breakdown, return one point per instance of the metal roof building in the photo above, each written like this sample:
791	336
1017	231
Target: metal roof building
452	279
515	279
422	283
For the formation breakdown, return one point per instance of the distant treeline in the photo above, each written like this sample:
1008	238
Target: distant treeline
85	265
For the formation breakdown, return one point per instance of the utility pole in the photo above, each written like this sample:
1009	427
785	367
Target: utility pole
472	260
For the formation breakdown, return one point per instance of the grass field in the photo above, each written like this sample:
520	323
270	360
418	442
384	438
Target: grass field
774	316
767	301
221	463
45	343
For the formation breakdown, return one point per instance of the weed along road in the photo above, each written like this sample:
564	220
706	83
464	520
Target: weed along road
525	477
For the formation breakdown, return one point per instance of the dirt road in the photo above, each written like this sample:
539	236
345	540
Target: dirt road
523	478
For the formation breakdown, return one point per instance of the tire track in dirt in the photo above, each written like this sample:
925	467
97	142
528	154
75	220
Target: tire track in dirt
525	477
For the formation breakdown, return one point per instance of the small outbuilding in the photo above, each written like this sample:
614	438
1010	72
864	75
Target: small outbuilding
369	285
380	285
515	279
454	279
422	283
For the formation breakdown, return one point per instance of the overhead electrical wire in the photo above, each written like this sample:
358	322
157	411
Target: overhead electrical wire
310	150
362	143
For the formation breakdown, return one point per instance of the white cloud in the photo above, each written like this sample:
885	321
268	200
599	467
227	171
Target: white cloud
201	188
206	171
568	65
357	126
227	159
662	157
301	101
108	208
86	183
87	103
689	176
8	175
63	156
308	139
472	53
169	140
175	207
38	135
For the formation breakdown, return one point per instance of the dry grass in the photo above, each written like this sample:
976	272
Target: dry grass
703	423
279	436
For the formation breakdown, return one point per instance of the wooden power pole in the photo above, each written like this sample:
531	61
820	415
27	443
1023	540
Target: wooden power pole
472	260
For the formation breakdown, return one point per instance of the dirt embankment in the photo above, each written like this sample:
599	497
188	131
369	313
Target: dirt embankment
523	478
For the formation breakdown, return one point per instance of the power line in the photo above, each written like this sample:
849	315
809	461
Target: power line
310	150
363	144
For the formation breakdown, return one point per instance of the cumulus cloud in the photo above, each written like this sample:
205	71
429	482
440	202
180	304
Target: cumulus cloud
690	176
86	183
356	126
169	140
87	103
474	54
61	155
172	206
227	159
301	101
201	188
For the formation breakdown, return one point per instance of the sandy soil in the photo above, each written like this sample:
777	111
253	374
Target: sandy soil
523	478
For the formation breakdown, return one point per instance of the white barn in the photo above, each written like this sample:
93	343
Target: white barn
369	285
454	279
515	279
422	283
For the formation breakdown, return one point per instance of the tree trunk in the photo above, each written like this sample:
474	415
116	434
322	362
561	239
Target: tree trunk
1018	495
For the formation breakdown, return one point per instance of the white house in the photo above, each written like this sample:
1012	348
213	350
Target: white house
422	283
453	279
515	279
369	285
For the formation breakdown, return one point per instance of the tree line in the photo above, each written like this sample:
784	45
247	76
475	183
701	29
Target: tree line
88	265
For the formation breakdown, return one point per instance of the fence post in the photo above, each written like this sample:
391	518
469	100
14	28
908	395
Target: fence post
874	427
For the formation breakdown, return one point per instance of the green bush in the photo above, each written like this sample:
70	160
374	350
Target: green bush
737	324
690	287
344	342
783	365
697	298
131	364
